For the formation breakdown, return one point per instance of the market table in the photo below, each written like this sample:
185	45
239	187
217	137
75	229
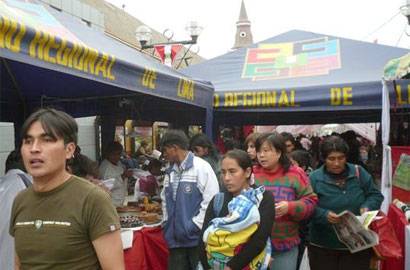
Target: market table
149	250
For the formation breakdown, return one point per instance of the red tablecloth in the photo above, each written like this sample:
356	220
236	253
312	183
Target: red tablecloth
149	251
399	222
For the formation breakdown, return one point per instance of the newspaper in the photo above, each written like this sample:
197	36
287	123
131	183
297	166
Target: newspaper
353	231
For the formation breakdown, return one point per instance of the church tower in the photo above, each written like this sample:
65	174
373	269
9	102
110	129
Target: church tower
243	36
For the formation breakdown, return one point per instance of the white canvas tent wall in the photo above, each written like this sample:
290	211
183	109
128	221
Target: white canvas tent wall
394	70
366	130
386	179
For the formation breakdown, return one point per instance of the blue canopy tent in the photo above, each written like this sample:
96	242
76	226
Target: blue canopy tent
50	58
299	77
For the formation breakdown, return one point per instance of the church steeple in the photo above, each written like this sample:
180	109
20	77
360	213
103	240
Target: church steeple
243	36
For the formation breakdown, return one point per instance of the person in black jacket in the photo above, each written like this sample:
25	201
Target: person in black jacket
203	147
236	167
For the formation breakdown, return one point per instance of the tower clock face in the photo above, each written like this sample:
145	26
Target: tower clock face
242	34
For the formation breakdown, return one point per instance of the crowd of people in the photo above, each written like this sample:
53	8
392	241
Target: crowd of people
253	205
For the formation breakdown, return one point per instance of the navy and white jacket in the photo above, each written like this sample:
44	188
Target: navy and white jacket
184	216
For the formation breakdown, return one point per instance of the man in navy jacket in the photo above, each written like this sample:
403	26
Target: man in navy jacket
189	185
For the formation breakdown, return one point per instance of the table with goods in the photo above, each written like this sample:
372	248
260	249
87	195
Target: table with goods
141	233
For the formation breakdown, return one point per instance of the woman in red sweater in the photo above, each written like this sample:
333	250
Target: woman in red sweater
294	197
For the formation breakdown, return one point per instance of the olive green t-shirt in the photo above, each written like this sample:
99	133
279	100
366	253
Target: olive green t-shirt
55	229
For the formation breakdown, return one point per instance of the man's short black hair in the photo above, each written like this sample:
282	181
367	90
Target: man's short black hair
175	137
113	147
57	124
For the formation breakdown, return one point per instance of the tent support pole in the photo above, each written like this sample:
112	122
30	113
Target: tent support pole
21	111
1	90
107	131
16	87
209	119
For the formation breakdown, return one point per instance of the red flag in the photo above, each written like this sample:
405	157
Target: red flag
160	50
167	53
175	50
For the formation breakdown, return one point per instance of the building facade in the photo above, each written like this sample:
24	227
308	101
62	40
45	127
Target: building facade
118	24
243	37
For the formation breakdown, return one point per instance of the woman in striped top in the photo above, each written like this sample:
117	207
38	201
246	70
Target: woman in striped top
294	198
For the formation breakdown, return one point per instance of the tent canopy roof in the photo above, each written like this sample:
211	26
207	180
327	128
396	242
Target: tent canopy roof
48	53
347	62
299	72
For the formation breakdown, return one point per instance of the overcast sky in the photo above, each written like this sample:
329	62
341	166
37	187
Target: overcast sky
355	19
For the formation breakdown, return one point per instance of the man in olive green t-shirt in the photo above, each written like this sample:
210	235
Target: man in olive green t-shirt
61	222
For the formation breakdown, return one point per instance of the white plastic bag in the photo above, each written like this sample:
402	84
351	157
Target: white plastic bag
304	265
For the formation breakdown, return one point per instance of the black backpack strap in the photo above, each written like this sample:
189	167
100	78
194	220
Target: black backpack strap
25	179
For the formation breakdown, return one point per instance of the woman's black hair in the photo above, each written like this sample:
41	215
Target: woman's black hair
82	166
251	138
276	141
288	137
241	157
202	140
333	144
302	157
14	161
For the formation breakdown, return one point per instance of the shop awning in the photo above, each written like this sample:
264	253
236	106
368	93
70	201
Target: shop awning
299	77
49	57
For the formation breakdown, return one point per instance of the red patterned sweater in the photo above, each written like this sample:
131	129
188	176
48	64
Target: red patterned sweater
294	187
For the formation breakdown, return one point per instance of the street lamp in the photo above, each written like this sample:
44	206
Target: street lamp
405	10
144	34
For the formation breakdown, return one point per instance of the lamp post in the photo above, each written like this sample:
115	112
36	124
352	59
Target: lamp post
144	34
405	10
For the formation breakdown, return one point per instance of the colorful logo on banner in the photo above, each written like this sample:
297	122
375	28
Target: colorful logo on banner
30	26
37	17
303	58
